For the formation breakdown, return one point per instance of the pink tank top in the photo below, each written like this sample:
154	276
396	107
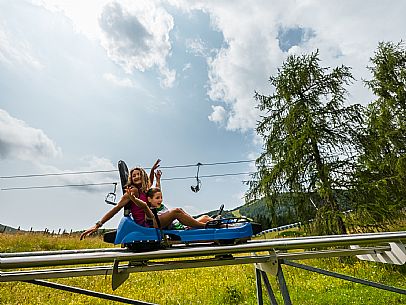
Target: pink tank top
138	213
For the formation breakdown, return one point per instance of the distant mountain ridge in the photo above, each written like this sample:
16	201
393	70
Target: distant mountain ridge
285	213
257	211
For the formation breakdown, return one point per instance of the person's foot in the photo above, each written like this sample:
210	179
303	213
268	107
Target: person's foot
214	224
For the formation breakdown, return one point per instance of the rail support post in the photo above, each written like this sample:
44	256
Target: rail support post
269	288
119	277
282	285
261	270
260	300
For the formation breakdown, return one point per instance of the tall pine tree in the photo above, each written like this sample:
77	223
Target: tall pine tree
308	139
381	174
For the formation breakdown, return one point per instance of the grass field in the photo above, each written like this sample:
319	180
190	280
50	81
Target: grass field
213	285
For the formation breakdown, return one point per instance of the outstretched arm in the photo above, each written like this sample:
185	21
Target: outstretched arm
123	201
153	168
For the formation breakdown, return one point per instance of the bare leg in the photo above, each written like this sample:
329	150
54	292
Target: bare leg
184	218
204	218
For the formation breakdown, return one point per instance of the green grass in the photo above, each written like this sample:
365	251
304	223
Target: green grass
214	285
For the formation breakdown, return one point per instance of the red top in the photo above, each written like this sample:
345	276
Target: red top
137	212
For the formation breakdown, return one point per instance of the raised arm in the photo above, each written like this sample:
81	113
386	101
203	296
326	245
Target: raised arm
152	172
158	175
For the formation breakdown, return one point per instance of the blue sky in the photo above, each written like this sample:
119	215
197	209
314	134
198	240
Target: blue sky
85	84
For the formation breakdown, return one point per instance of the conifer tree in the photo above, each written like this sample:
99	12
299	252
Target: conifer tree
308	137
381	176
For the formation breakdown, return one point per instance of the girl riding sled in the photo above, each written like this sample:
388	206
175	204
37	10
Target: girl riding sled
136	192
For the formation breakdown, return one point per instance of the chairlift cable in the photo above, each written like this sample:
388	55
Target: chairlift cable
56	186
115	170
115	183
58	174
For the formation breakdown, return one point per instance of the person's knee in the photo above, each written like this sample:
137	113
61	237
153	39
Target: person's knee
206	218
178	211
175	212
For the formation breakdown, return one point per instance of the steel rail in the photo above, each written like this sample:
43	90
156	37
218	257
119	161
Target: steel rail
82	251
73	251
182	264
270	245
323	236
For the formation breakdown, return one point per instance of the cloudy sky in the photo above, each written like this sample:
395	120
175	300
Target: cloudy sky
84	84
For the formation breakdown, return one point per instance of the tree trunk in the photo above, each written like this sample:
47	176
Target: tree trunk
328	196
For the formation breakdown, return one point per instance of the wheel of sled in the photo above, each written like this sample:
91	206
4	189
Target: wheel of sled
226	242
231	242
144	246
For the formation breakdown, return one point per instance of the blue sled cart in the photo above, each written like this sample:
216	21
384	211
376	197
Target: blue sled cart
221	231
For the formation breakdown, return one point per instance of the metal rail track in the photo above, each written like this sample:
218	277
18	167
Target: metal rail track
9	261
266	255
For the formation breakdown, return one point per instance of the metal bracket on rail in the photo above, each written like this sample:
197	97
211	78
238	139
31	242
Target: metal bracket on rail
119	277
396	255
271	266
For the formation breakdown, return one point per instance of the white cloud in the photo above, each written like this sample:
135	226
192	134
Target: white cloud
83	14
168	77
20	141
218	115
345	32
14	52
244	64
136	36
